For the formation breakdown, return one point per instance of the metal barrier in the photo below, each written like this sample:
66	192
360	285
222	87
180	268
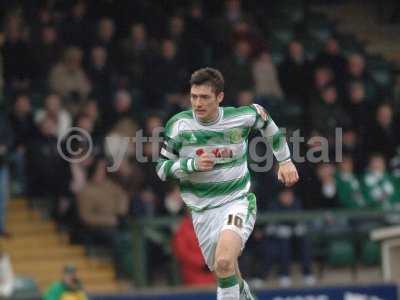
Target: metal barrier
144	228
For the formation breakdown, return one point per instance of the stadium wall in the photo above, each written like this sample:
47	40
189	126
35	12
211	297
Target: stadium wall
366	292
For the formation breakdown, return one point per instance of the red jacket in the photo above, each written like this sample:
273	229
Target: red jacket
187	251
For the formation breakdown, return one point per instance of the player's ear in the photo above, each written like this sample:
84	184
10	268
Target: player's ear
220	97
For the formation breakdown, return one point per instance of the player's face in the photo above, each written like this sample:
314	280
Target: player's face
205	102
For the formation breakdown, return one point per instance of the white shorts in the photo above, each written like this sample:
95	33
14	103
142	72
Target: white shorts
238	215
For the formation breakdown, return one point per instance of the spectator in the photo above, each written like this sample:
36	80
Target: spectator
348	186
102	206
356	71
70	287
53	109
1	66
17	65
294	73
6	143
187	251
23	126
379	187
332	58
383	134
266	77
279	236
358	107
76	26
327	115
245	98
237	70
7	278
46	53
48	174
105	37
68	78
100	74
169	84
134	55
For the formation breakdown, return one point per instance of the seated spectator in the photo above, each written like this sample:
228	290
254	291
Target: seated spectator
186	249
349	188
21	122
68	78
266	77
53	109
102	207
278	243
383	135
69	287
379	188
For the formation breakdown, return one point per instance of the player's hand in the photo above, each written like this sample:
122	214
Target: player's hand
287	173
205	162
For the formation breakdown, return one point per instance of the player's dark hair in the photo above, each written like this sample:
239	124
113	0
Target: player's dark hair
208	76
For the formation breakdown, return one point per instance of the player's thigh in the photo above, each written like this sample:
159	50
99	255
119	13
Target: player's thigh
229	245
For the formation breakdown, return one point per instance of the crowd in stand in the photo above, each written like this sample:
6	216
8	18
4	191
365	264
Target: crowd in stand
113	67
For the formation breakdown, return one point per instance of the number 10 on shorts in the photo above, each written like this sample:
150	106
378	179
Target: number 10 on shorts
235	220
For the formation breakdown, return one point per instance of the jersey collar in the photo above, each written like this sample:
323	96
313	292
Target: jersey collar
220	115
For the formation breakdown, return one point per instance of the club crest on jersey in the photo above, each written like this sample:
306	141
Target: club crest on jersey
261	111
235	136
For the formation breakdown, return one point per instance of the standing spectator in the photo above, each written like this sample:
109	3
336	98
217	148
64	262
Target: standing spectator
237	70
76	27
356	71
383	135
105	35
327	115
68	78
187	251
294	73
134	54
348	185
266	77
169	84
100	74
277	246
358	107
24	128
47	172
17	64
331	57
46	53
379	186
6	142
53	109
70	287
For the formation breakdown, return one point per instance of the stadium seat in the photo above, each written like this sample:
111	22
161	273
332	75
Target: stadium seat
370	253
341	253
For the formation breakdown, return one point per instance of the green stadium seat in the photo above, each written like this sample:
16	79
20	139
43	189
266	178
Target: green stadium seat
370	253
341	253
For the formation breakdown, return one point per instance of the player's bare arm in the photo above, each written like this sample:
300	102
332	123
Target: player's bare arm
287	173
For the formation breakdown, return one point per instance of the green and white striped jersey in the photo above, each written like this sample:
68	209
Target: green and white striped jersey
226	138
